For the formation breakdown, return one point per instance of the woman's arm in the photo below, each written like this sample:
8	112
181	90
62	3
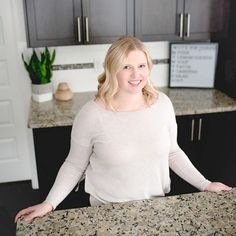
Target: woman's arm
68	176
72	169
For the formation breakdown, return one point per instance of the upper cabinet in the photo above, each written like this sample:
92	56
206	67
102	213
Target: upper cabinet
205	19
181	19
107	20
73	22
157	19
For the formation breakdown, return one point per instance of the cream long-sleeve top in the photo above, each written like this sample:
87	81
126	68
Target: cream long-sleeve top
124	155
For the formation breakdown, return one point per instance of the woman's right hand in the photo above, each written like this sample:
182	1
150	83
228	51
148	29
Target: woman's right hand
32	212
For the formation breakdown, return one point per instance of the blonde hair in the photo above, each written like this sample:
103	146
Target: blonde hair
116	55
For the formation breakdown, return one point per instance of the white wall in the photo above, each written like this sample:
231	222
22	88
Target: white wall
19	163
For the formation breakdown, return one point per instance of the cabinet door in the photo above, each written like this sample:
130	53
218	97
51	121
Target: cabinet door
219	150
51	148
205	19
188	142
52	23
105	21
210	144
157	20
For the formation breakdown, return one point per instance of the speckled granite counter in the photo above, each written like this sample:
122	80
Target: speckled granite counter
190	214
185	101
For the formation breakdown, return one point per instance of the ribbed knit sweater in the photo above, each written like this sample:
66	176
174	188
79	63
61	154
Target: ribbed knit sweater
124	155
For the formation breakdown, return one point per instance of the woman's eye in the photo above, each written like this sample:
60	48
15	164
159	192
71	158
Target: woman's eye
127	67
142	66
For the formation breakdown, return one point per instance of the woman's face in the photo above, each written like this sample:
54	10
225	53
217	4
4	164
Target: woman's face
133	75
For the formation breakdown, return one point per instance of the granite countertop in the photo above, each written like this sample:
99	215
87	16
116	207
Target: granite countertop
202	213
185	101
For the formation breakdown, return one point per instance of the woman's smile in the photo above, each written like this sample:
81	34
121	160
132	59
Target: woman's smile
134	82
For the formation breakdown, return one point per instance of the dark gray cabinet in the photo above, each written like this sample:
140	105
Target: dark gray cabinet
73	22
206	19
157	20
209	140
52	23
107	20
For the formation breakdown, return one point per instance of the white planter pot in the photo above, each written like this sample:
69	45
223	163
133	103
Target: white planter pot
42	92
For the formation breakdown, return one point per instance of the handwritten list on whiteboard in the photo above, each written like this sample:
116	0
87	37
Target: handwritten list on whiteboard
193	64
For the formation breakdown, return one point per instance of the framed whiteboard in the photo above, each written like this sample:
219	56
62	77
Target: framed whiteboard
193	64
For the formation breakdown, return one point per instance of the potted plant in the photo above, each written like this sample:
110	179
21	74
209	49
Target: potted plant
40	73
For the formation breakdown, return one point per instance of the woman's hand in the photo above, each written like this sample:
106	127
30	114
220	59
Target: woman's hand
32	212
217	187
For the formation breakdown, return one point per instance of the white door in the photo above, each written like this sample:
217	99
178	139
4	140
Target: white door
14	154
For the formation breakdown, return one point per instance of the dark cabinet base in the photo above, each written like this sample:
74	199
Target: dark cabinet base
213	154
211	147
51	148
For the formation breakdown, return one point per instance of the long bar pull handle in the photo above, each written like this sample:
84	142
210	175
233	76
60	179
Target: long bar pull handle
188	17
200	129
181	25
87	29
192	130
79	30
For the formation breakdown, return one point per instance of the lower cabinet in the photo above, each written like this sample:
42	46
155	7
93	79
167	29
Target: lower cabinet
51	148
209	140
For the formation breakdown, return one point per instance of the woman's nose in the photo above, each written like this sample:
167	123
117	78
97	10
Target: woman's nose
135	73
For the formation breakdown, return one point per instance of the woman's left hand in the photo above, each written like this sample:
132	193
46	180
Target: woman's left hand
217	187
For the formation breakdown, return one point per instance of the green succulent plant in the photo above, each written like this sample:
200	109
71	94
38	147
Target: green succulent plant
40	70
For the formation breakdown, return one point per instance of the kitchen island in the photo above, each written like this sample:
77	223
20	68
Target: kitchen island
202	213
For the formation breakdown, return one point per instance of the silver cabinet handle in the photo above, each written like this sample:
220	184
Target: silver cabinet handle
200	129
87	29
181	24
79	31
188	16
192	130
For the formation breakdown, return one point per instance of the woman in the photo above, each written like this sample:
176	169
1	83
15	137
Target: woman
125	140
